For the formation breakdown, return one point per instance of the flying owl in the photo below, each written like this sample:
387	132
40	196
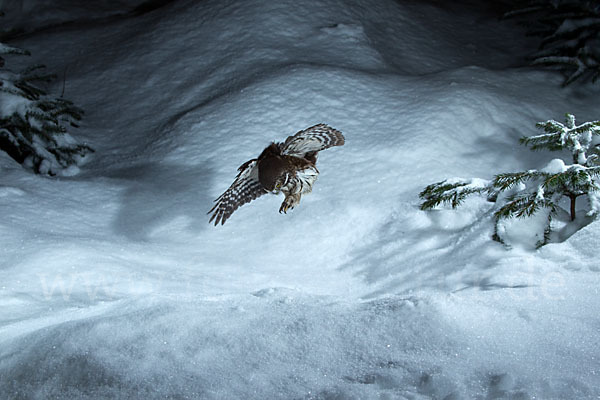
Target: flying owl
287	167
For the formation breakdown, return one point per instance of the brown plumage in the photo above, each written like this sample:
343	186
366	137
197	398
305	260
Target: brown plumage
288	167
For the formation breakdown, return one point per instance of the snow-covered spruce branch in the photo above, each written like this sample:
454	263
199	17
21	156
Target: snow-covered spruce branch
558	136
6	49
523	194
574	67
570	32
523	205
33	125
452	192
510	180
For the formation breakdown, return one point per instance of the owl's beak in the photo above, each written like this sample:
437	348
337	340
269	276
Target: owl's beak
276	190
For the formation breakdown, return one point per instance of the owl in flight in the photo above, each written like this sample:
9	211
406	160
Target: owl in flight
287	167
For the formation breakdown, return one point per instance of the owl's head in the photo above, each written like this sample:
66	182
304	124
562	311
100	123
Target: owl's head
280	182
272	174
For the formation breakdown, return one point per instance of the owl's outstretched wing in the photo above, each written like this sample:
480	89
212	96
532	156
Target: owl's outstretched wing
311	140
245	188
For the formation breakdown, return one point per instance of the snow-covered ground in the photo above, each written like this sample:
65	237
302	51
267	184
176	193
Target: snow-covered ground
113	284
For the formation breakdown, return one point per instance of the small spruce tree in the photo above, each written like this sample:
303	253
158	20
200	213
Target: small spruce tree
33	124
523	194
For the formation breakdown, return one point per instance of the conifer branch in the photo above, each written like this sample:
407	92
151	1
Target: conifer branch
34	132
570	32
523	205
452	193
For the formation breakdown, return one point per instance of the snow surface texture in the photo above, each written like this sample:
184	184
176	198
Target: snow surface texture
113	284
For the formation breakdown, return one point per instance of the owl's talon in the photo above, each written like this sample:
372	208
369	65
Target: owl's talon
289	203
284	208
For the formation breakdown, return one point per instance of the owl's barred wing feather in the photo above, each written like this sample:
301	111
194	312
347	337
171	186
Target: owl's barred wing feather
245	188
313	139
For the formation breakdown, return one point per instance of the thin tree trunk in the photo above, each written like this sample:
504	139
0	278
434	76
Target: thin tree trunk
573	202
